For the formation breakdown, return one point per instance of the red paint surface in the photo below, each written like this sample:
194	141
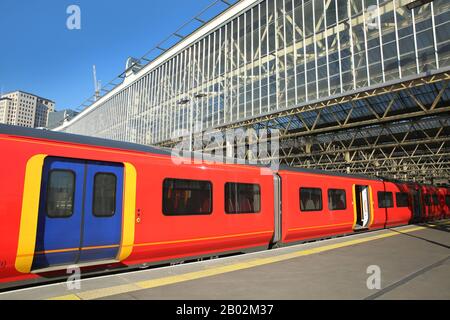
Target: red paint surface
163	238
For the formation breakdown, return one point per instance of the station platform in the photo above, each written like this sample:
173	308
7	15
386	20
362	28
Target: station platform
413	261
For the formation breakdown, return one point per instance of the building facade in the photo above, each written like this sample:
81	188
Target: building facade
58	118
4	108
357	86
44	108
271	55
25	109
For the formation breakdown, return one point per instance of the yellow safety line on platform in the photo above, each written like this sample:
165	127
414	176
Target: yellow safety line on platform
438	224
137	286
67	298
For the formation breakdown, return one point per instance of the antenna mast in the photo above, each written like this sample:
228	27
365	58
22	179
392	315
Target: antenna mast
96	85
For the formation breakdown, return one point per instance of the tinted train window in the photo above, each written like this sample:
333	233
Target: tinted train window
337	199
187	197
402	200
428	200
104	203
385	200
60	194
435	199
447	200
310	199
242	198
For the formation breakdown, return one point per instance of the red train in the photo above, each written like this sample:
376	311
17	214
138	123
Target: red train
99	204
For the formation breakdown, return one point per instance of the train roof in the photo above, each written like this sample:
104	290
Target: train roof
78	139
106	143
329	173
99	142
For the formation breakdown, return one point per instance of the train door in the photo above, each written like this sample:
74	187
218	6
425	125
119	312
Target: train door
278	234
416	205
362	207
80	213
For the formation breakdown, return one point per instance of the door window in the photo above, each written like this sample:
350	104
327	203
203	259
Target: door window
105	185
60	194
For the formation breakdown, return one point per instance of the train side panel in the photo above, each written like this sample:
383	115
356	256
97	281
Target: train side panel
12	172
401	212
314	205
156	237
298	225
432	207
162	237
444	201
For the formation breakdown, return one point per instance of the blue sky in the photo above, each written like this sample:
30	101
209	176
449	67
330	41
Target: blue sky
39	54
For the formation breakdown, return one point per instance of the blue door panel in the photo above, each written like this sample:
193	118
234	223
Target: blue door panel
99	254
102	231
80	237
42	261
59	234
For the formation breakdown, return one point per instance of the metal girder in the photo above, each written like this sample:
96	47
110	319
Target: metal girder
403	137
332	32
360	95
346	123
386	152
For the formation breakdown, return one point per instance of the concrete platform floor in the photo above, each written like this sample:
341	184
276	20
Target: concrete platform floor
413	261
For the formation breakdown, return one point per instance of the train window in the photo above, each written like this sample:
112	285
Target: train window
402	200
242	198
310	199
428	200
104	202
385	200
187	197
337	200
447	200
60	194
435	199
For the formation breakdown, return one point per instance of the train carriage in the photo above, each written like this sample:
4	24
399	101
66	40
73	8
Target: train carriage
318	204
80	201
444	201
431	203
98	204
